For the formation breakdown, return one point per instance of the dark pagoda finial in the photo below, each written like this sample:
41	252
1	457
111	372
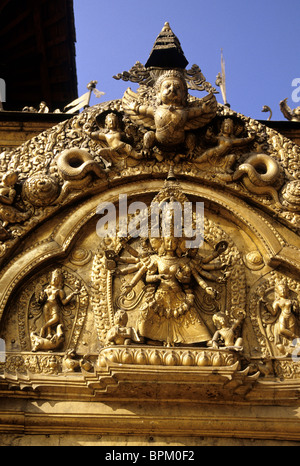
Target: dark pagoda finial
167	51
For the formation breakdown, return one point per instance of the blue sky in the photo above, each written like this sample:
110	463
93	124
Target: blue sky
259	38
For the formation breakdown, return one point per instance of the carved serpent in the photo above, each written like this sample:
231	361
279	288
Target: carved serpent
264	163
261	171
76	164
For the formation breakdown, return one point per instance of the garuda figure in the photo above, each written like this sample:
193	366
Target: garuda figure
168	114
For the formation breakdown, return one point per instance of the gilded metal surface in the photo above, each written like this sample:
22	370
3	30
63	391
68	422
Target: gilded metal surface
103	316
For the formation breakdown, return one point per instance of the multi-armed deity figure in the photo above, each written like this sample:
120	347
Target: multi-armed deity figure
169	273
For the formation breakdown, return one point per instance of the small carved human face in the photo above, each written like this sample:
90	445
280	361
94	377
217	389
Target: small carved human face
57	280
172	91
282	290
10	179
227	126
111	121
170	244
219	321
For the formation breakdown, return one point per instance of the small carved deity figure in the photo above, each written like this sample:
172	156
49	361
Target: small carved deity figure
51	334
285	328
113	136
225	334
9	213
224	143
55	296
170	116
120	334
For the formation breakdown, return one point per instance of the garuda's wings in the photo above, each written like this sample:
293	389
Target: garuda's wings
131	102
209	109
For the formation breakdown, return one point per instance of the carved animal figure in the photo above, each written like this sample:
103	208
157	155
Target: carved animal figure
44	344
76	164
259	172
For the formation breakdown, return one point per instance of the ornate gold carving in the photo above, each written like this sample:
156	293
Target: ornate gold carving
120	334
76	164
40	190
213	313
254	260
262	172
72	363
275	313
113	137
9	213
221	154
48	364
80	256
34	169
285	329
168	357
51	334
169	114
293	115
291	195
169	286
51	318
226	333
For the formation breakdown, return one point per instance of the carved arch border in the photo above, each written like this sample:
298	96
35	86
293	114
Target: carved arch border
274	248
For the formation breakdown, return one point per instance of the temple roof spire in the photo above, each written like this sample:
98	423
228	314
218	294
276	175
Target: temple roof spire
166	51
